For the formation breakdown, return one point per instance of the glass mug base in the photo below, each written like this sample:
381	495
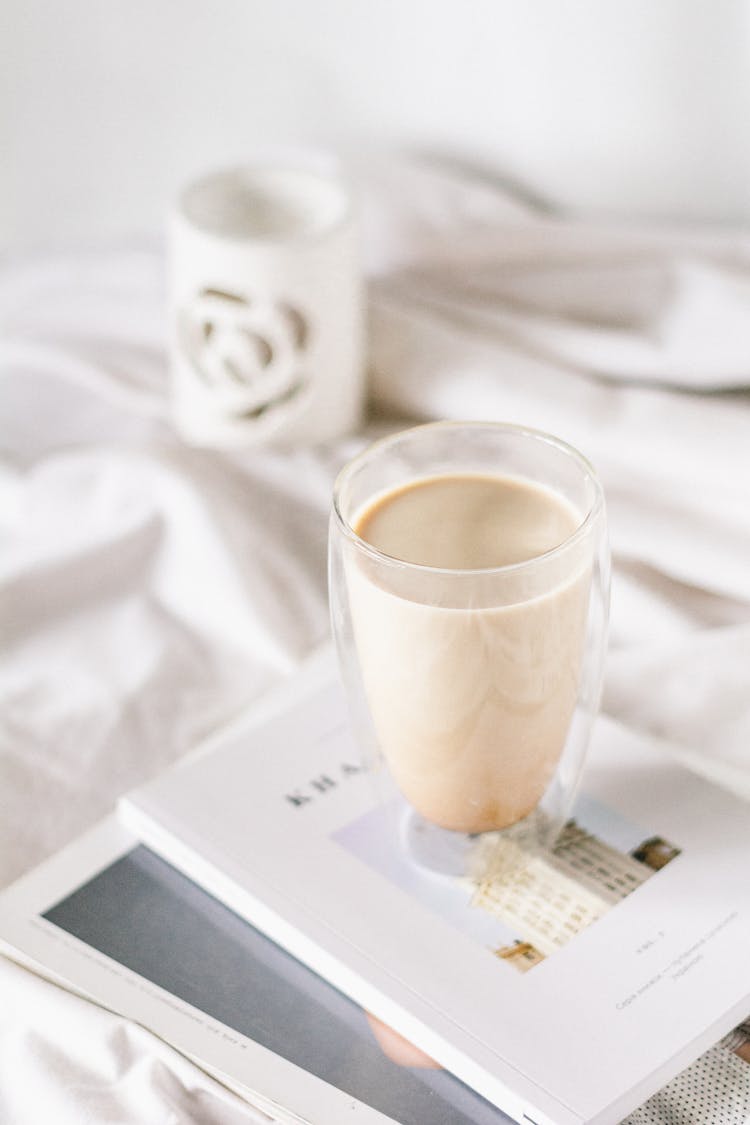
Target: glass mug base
450	854
454	855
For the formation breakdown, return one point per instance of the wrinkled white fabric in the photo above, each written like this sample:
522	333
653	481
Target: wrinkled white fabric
120	1073
148	591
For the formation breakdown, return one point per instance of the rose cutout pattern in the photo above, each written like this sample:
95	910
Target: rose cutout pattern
249	352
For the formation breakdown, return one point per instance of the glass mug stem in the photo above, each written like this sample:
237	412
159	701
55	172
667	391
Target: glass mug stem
469	580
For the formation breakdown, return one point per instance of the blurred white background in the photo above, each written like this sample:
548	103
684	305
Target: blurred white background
636	108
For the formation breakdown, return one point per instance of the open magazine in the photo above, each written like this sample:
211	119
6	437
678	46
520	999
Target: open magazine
114	922
564	988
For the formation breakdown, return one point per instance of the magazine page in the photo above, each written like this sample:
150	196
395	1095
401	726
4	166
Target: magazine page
113	921
568	996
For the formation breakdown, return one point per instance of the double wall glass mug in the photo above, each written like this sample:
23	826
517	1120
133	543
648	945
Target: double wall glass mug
469	589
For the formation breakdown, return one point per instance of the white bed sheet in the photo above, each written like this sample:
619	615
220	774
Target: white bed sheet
148	592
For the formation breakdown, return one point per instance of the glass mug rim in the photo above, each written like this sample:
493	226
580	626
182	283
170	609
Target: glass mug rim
381	446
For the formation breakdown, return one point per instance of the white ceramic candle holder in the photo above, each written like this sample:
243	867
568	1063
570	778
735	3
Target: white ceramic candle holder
266	309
